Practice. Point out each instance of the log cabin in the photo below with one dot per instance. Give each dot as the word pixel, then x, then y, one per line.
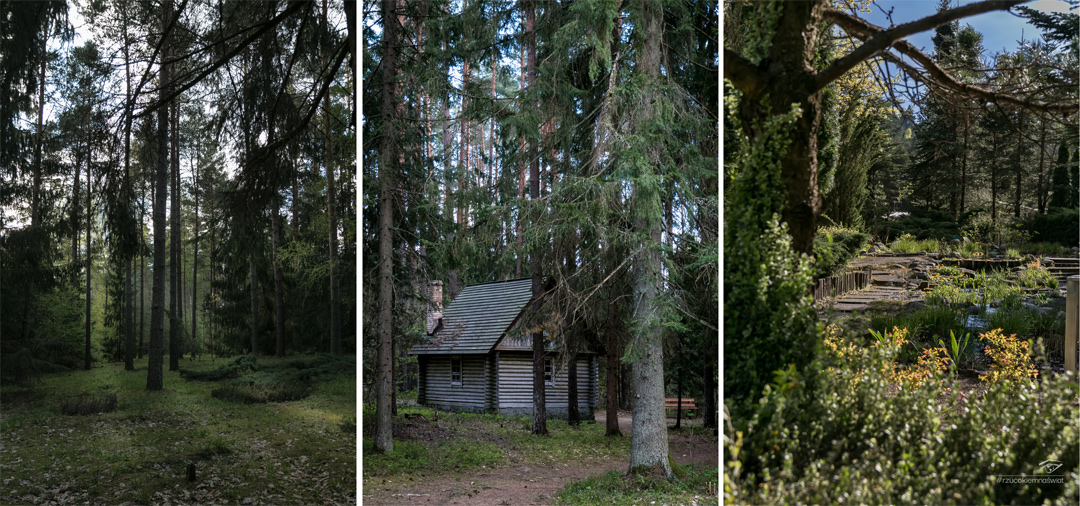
pixel 477 360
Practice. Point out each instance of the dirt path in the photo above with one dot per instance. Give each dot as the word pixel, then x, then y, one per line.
pixel 531 485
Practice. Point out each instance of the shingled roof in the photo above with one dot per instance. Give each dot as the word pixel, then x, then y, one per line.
pixel 479 316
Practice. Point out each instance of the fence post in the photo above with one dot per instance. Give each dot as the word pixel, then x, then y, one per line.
pixel 1072 321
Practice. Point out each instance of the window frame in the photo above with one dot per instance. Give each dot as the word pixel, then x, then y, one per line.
pixel 460 371
pixel 549 371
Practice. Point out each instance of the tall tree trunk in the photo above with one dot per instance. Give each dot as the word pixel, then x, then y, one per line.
pixel 573 416
pixel 648 441
pixel 195 258
pixel 521 172
pixel 89 213
pixel 1018 165
pixel 799 165
pixel 76 221
pixel 709 390
pixel 129 195
pixel 1040 192
pixel 154 374
pixel 331 211
pixel 35 194
pixel 129 317
pixel 175 271
pixel 612 397
pixel 963 168
pixel 388 158
pixel 539 425
pixel 279 282
pixel 253 274
pixel 994 182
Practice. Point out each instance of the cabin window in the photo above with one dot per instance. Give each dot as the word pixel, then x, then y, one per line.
pixel 549 371
pixel 455 371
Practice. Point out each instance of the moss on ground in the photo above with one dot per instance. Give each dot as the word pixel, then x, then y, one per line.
pixel 286 452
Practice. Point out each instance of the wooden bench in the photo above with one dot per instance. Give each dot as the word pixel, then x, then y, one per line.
pixel 687 404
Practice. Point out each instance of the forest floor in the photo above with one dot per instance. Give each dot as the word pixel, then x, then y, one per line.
pixel 467 459
pixel 297 452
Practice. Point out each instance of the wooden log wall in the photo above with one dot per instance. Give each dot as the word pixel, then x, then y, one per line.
pixel 515 382
pixel 470 395
pixel 842 283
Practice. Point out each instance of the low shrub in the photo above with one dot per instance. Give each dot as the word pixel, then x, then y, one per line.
pixel 921 225
pixel 834 247
pixel 88 405
pixel 1005 229
pixel 257 394
pixel 244 364
pixel 844 431
pixel 1011 358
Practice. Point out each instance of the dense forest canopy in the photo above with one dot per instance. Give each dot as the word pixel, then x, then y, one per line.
pixel 571 142
pixel 232 122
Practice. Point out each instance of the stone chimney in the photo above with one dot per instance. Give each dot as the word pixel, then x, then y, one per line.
pixel 434 315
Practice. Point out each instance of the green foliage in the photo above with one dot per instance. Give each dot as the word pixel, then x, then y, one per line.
pixel 924 225
pixel 907 243
pixel 698 486
pixel 1060 226
pixel 834 247
pixel 769 317
pixel 981 227
pixel 1036 276
pixel 821 438
pixel 1011 359
pixel 955 349
pixel 258 393
pixel 244 364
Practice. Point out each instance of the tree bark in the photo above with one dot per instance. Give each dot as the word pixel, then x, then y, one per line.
pixel 279 282
pixel 176 269
pixel 612 398
pixel 331 211
pixel 539 425
pixel 648 441
pixel 129 195
pixel 573 416
pixel 89 213
pixel 388 158
pixel 154 374
pixel 253 274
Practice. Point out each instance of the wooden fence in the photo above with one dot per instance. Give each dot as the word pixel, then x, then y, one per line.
pixel 1072 321
pixel 842 283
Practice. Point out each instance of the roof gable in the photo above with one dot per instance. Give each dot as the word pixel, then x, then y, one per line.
pixel 479 316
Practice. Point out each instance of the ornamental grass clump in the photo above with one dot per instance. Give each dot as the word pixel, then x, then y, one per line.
pixel 1036 276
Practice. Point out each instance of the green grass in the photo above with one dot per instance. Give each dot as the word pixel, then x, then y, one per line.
pixel 139 452
pixel 470 440
pixel 614 488
pixel 908 244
